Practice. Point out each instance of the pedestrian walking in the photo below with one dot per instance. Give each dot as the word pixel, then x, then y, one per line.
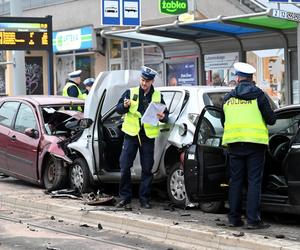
pixel 247 111
pixel 88 83
pixel 72 86
pixel 138 136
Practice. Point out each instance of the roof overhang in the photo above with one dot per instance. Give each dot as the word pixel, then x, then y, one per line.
pixel 241 27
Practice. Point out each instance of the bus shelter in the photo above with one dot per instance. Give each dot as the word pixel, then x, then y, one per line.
pixel 272 29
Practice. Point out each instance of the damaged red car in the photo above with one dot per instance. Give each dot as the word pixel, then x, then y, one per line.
pixel 30 129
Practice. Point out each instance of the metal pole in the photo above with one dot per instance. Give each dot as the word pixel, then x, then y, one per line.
pixel 50 59
pixel 19 80
pixel 298 61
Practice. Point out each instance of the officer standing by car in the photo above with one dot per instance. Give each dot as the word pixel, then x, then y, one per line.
pixel 247 111
pixel 72 86
pixel 133 104
pixel 88 83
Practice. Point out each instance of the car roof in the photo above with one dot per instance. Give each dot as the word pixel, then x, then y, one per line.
pixel 198 88
pixel 44 99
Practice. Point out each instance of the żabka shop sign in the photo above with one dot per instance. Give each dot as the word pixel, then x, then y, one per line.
pixel 173 7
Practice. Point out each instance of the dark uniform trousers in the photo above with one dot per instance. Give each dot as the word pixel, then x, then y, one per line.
pixel 130 146
pixel 246 159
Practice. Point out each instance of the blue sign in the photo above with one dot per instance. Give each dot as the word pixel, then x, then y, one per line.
pixel 121 12
pixel 75 39
pixel 182 73
pixel 111 12
pixel 131 12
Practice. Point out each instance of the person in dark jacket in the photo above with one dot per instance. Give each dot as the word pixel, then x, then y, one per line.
pixel 133 103
pixel 88 83
pixel 247 111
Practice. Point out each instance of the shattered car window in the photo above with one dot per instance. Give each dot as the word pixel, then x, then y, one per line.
pixel 56 118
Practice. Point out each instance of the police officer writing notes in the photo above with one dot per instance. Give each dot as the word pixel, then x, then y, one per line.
pixel 247 111
pixel 72 86
pixel 133 104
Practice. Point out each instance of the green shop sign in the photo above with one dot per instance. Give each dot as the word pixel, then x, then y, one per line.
pixel 173 7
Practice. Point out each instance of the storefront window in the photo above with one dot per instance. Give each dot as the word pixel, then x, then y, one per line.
pixel 85 63
pixel 269 75
pixel 64 65
pixel 115 49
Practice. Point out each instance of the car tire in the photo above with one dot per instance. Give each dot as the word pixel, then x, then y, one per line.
pixel 54 174
pixel 212 207
pixel 79 176
pixel 175 185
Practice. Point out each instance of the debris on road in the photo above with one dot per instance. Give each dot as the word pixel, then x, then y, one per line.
pixel 238 234
pixel 98 199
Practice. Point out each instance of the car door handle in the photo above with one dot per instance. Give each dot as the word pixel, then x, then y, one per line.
pixel 13 138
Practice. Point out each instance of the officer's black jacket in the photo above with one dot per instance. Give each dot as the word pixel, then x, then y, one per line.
pixel 248 91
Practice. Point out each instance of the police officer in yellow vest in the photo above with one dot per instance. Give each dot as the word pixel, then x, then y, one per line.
pixel 247 111
pixel 72 86
pixel 133 104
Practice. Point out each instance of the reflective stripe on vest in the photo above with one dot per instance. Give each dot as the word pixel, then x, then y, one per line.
pixel 80 95
pixel 243 122
pixel 69 84
pixel 131 124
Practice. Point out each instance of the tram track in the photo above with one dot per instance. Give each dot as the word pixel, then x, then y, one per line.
pixel 65 232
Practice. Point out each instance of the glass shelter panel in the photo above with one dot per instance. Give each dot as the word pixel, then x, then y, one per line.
pixel 219 69
pixel 270 72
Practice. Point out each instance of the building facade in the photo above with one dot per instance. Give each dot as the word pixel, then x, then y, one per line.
pixel 78 44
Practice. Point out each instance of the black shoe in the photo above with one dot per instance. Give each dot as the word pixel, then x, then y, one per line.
pixel 124 204
pixel 259 225
pixel 239 223
pixel 146 205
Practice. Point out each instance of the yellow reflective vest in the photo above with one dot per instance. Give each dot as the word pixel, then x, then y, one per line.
pixel 131 124
pixel 244 122
pixel 80 94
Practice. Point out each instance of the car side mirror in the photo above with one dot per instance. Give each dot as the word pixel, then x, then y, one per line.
pixel 31 132
pixel 85 122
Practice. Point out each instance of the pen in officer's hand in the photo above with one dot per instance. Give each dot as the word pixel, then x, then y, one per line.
pixel 126 102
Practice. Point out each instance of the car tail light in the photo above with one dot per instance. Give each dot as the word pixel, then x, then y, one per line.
pixel 193 118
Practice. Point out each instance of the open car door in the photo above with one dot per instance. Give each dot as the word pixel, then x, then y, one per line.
pixel 205 163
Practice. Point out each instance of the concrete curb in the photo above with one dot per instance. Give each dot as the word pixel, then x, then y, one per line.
pixel 204 237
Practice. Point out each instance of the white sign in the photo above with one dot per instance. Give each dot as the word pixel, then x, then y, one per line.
pixel 121 12
pixel 111 9
pixel 220 61
pixel 70 39
pixel 131 9
pixel 286 15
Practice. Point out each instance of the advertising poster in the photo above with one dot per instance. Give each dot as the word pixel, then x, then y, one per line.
pixel 34 75
pixel 182 73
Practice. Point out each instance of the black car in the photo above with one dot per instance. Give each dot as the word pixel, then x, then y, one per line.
pixel 206 162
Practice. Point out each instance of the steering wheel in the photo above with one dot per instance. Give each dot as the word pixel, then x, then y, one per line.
pixel 278 146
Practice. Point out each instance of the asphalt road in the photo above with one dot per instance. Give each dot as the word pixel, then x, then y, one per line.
pixel 282 227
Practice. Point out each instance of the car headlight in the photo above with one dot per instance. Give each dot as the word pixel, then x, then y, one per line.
pixel 193 118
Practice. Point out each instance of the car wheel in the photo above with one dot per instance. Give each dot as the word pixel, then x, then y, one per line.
pixel 54 174
pixel 212 207
pixel 175 185
pixel 79 176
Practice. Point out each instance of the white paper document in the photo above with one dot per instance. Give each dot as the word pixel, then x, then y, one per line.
pixel 150 115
